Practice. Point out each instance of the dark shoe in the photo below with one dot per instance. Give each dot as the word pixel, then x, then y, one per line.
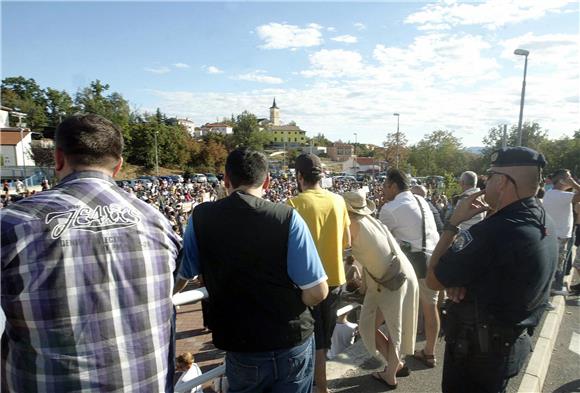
pixel 378 377
pixel 403 372
pixel 575 287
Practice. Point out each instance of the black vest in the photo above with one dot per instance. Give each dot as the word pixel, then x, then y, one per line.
pixel 243 246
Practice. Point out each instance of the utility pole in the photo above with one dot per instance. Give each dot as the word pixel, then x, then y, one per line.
pixel 397 154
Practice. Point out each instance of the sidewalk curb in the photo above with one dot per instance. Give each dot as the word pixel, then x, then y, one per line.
pixel 535 374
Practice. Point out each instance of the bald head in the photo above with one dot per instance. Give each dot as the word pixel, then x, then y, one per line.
pixel 468 180
pixel 527 179
pixel 419 190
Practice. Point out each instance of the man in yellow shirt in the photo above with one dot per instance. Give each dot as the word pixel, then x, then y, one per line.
pixel 327 218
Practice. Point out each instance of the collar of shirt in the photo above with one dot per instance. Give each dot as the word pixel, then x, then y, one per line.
pixel 87 174
pixel 470 191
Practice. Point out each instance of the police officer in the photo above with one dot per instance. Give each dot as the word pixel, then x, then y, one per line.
pixel 497 273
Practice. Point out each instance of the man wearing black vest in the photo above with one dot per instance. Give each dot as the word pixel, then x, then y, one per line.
pixel 262 272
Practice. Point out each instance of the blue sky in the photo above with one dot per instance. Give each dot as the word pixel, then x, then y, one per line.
pixel 334 67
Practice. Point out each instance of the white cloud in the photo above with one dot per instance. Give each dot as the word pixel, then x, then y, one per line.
pixel 334 63
pixel 331 29
pixel 260 77
pixel 491 14
pixel 347 39
pixel 283 36
pixel 158 70
pixel 360 26
pixel 213 70
pixel 466 83
pixel 181 65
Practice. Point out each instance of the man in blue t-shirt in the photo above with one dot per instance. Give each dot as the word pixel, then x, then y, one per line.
pixel 262 272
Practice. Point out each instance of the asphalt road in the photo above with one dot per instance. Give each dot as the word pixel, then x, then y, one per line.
pixel 564 372
pixel 563 375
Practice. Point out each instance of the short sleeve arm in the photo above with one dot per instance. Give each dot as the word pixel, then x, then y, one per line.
pixel 347 240
pixel 304 265
pixel 467 258
pixel 190 264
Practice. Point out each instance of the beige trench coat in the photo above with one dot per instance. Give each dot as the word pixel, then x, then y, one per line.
pixel 372 249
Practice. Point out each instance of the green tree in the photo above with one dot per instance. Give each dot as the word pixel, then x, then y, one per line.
pixel 59 104
pixel 393 147
pixel 533 136
pixel 563 153
pixel 247 132
pixel 321 140
pixel 92 99
pixel 26 96
pixel 438 153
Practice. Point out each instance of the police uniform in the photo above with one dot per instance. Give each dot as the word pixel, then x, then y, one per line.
pixel 506 263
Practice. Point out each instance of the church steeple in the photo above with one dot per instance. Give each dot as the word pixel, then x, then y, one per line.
pixel 274 114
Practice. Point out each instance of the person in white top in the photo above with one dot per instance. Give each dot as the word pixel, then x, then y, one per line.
pixel 558 203
pixel 402 215
pixel 468 182
pixel 342 337
pixel 185 364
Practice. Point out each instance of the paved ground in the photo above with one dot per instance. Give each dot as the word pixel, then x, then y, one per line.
pixel 563 375
pixel 564 372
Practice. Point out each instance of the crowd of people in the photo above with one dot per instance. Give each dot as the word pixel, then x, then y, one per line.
pixel 89 269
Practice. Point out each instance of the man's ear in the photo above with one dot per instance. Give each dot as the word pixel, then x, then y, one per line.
pixel 59 160
pixel 266 183
pixel 118 167
pixel 227 183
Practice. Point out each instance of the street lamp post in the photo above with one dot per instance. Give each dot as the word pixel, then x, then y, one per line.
pixel 525 53
pixel 355 163
pixel 156 155
pixel 397 154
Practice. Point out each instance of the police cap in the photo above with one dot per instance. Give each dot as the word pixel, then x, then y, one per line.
pixel 517 156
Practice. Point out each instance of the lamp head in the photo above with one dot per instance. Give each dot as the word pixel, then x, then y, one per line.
pixel 395 114
pixel 521 52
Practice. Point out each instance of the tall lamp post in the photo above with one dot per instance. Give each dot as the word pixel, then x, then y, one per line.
pixel 397 155
pixel 525 53
pixel 156 155
pixel 355 163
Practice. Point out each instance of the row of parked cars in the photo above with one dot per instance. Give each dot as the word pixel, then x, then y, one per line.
pixel 148 181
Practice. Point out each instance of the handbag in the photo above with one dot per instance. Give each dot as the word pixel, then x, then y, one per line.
pixel 393 278
pixel 419 258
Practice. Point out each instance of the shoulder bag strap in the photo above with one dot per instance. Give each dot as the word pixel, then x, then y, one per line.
pixel 424 241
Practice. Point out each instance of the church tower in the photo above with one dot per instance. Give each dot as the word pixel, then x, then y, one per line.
pixel 274 114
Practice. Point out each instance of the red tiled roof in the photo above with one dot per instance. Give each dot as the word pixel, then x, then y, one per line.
pixel 11 136
pixel 365 160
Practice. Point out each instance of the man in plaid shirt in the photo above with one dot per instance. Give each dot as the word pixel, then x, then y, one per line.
pixel 87 274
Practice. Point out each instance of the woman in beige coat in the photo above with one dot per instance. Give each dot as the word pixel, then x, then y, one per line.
pixel 375 248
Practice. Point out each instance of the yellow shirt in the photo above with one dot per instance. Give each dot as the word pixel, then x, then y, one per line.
pixel 327 218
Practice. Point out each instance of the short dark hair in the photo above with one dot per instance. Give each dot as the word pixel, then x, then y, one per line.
pixel 559 174
pixel 399 178
pixel 89 139
pixel 246 167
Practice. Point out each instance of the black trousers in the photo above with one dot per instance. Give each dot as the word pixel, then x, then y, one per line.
pixel 483 373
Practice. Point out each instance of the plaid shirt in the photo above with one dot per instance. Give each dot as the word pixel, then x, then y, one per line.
pixel 87 275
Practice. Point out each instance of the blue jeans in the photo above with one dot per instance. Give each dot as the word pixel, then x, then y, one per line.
pixel 283 371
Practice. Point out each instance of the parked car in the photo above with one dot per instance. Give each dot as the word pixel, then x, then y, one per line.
pixel 176 178
pixel 199 178
pixel 211 178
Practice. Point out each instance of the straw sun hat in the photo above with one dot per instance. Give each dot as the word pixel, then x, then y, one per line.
pixel 356 203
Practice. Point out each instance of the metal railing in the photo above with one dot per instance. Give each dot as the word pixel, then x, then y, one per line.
pixel 195 295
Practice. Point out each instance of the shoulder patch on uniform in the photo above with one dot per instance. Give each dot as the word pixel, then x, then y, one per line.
pixel 462 240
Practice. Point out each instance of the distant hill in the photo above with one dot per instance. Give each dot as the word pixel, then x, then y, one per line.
pixel 475 149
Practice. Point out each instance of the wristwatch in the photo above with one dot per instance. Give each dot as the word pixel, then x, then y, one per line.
pixel 450 227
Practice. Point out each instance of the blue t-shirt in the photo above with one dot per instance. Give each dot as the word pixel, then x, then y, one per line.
pixel 304 265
